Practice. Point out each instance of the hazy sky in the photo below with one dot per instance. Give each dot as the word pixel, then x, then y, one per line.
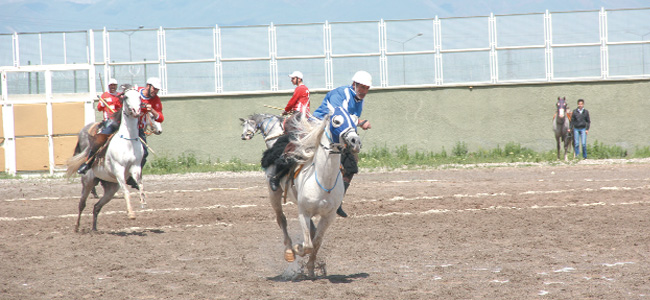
pixel 68 15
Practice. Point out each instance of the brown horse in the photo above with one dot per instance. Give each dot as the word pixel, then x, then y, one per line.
pixel 562 127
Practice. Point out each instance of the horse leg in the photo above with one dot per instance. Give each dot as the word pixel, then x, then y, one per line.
pixel 110 189
pixel 557 141
pixel 323 224
pixel 281 219
pixel 137 175
pixel 94 190
pixel 306 247
pixel 312 229
pixel 121 176
pixel 85 191
pixel 566 145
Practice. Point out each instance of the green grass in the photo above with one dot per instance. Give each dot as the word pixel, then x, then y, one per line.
pixel 188 163
pixel 402 157
pixel 398 157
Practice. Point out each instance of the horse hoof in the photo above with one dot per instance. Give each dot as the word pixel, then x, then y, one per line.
pixel 289 256
pixel 131 216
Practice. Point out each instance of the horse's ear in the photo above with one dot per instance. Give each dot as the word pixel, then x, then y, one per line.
pixel 242 120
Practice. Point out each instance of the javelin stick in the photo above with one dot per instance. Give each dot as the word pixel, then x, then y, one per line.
pixel 105 104
pixel 269 106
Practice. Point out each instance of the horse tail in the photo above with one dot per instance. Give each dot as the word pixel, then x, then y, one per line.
pixel 77 149
pixel 75 162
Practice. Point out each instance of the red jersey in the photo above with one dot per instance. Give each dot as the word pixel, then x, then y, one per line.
pixel 113 102
pixel 300 100
pixel 155 105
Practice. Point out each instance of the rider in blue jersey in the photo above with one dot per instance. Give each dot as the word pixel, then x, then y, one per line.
pixel 350 97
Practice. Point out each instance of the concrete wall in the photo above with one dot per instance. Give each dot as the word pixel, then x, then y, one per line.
pixel 423 119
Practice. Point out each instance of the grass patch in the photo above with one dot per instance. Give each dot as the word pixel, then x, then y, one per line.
pixel 189 163
pixel 398 157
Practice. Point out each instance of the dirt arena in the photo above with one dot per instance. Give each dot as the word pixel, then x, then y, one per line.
pixel 480 232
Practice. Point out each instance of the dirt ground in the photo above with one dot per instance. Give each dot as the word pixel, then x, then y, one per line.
pixel 479 232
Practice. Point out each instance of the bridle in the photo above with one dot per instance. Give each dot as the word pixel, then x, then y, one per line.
pixel 264 128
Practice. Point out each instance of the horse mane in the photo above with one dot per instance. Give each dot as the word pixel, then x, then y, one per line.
pixel 307 137
pixel 117 115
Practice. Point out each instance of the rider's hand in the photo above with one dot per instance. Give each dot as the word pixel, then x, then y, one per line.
pixel 365 124
pixel 284 113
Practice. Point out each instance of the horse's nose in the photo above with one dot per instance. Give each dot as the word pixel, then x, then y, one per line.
pixel 355 142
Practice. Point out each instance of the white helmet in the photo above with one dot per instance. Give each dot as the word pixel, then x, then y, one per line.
pixel 112 81
pixel 296 74
pixel 362 77
pixel 155 82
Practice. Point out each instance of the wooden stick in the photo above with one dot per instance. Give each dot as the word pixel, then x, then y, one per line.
pixel 269 106
pixel 105 104
pixel 145 144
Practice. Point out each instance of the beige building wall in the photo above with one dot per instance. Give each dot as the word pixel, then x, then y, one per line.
pixel 31 131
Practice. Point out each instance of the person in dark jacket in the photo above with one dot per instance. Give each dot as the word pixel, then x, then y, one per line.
pixel 580 123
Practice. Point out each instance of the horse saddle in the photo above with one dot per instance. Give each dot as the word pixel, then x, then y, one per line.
pixel 94 129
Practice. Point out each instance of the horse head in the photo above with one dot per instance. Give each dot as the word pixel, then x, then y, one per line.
pixel 131 103
pixel 151 126
pixel 343 128
pixel 249 128
pixel 561 107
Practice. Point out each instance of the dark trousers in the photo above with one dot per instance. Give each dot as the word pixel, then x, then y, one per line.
pixel 146 150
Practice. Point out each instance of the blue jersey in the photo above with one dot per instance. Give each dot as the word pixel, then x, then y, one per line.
pixel 340 97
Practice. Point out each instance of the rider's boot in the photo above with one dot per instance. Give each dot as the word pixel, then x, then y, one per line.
pixel 280 171
pixel 340 211
pixel 283 166
pixel 96 142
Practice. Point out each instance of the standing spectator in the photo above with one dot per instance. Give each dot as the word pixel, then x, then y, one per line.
pixel 299 102
pixel 580 122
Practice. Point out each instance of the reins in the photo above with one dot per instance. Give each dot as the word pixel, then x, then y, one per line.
pixel 264 129
pixel 320 185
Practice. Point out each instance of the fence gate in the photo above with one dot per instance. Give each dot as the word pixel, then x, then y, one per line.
pixel 42 110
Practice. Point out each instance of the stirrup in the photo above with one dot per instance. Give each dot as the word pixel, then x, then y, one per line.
pixel 83 168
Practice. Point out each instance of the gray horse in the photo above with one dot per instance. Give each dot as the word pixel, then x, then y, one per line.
pixel 271 127
pixel 561 127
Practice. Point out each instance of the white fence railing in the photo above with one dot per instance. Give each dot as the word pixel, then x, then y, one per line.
pixel 496 49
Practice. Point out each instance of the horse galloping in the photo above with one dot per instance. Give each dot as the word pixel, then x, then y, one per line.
pixel 83 138
pixel 270 126
pixel 561 127
pixel 123 157
pixel 318 185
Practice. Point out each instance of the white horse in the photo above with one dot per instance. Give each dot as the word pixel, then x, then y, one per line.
pixel 83 138
pixel 122 159
pixel 318 188
pixel 270 126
